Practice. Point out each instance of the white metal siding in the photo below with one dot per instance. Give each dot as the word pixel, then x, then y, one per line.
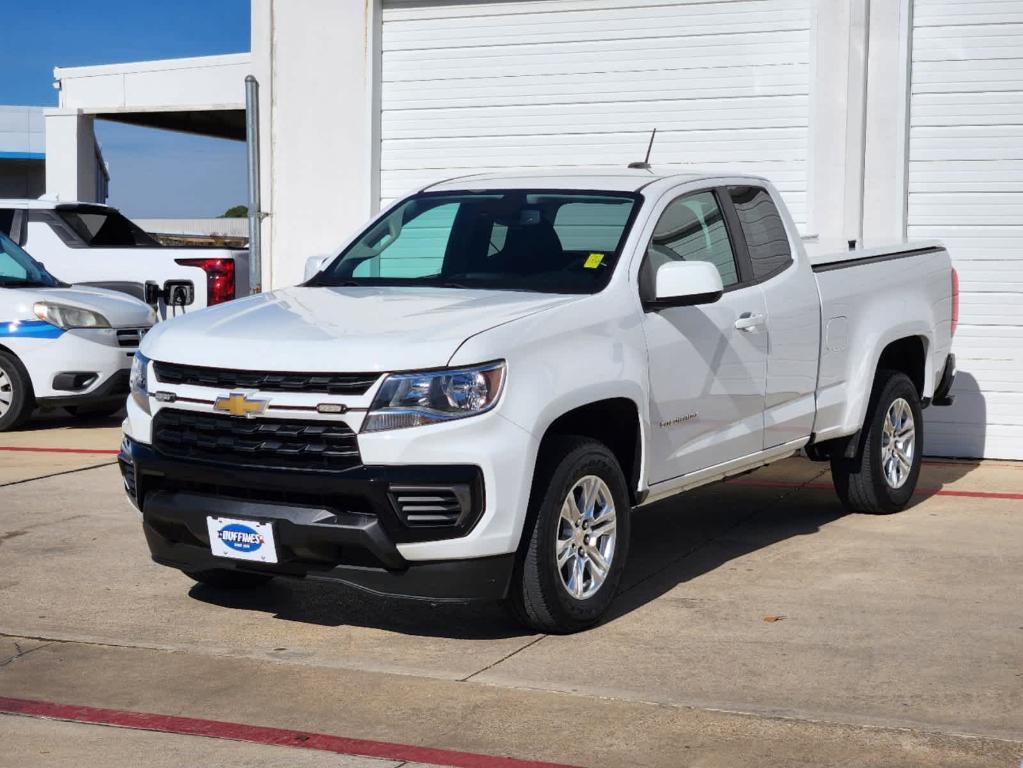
pixel 966 188
pixel 471 86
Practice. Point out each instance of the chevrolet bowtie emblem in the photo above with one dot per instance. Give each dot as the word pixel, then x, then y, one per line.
pixel 239 405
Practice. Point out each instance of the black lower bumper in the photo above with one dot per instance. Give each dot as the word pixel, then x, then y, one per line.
pixel 335 526
pixel 113 391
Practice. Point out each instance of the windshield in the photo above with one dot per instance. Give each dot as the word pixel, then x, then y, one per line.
pixel 105 227
pixel 529 240
pixel 19 270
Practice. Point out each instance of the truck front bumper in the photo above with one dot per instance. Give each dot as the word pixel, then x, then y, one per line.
pixel 339 526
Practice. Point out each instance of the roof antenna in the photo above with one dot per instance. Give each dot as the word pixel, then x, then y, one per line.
pixel 645 165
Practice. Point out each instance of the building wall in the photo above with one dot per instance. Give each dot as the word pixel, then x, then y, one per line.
pixel 22 178
pixel 22 151
pixel 912 118
pixel 317 148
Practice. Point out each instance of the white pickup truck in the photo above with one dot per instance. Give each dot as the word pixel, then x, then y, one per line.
pixel 473 396
pixel 96 245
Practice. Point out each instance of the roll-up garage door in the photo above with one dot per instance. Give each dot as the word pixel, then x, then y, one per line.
pixel 966 188
pixel 472 86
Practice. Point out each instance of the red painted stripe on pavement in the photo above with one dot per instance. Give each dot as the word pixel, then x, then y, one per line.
pixel 918 492
pixel 14 448
pixel 279 737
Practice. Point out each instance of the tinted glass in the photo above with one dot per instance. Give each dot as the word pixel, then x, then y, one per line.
pixel 104 227
pixel 18 269
pixel 690 229
pixel 506 240
pixel 6 221
pixel 765 233
pixel 417 250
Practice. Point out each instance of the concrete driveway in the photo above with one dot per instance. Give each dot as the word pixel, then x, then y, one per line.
pixel 758 625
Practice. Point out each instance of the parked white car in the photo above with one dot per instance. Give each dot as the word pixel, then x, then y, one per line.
pixel 90 244
pixel 62 345
pixel 471 398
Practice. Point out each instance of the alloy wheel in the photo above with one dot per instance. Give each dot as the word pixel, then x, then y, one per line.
pixel 586 537
pixel 898 443
pixel 6 392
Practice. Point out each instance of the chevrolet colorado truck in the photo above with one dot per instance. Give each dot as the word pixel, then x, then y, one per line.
pixel 96 245
pixel 472 397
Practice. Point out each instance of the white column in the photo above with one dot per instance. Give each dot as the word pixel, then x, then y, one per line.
pixel 837 134
pixel 71 163
pixel 316 62
pixel 887 118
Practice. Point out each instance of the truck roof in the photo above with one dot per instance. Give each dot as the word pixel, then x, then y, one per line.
pixel 42 203
pixel 609 179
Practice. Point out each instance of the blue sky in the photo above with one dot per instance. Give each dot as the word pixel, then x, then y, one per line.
pixel 153 173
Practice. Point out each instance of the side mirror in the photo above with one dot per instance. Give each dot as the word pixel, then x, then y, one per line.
pixel 314 264
pixel 684 284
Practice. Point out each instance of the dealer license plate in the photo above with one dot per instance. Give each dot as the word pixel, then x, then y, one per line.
pixel 242 539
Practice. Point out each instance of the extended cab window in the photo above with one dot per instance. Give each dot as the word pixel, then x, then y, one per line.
pixel 526 240
pixel 6 221
pixel 691 228
pixel 766 238
pixel 100 227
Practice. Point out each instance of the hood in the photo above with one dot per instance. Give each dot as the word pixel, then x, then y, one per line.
pixel 120 309
pixel 340 329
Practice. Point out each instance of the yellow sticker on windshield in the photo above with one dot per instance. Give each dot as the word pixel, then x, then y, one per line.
pixel 594 261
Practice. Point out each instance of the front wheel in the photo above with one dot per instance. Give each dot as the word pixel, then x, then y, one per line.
pixel 576 550
pixel 16 398
pixel 881 480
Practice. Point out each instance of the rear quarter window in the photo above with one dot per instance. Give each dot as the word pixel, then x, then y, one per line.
pixel 764 230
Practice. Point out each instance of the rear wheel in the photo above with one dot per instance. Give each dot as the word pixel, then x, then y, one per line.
pixel 226 579
pixel 883 477
pixel 576 550
pixel 16 398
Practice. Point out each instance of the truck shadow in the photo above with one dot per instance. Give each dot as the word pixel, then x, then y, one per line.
pixel 673 542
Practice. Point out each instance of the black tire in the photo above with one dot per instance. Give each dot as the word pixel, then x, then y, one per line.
pixel 226 579
pixel 17 389
pixel 539 596
pixel 862 483
pixel 94 411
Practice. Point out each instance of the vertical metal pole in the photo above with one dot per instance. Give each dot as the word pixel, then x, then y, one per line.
pixel 255 214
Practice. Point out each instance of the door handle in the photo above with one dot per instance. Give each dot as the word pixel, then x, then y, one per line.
pixel 749 322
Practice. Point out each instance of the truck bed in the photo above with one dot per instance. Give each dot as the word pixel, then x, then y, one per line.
pixel 870 297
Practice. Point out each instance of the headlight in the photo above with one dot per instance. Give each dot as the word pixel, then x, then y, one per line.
pixel 63 316
pixel 138 380
pixel 414 399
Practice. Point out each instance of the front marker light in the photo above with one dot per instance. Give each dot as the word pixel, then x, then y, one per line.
pixel 429 397
pixel 138 381
pixel 66 317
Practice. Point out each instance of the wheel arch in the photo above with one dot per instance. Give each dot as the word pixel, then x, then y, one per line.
pixel 906 354
pixel 613 422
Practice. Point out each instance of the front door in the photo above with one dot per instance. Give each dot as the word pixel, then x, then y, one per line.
pixel 708 363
